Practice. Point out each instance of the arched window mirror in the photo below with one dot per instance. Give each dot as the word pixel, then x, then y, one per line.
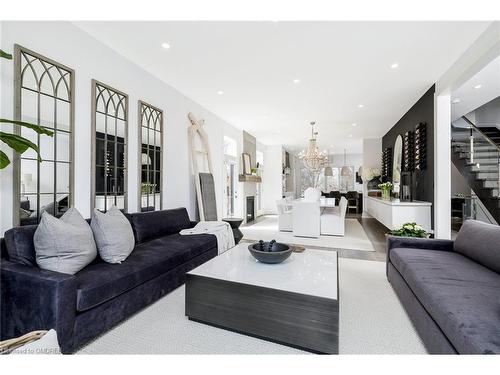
pixel 44 95
pixel 150 160
pixel 109 147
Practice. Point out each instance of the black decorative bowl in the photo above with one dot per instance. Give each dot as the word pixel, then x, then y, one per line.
pixel 279 252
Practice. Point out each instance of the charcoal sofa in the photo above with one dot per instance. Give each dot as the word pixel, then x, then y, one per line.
pixel 451 289
pixel 82 306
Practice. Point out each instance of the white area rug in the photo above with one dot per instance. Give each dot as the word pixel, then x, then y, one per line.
pixel 267 229
pixel 372 321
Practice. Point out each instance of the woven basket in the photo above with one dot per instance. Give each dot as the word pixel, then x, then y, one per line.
pixel 9 345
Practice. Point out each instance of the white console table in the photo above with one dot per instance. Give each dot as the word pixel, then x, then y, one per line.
pixel 393 213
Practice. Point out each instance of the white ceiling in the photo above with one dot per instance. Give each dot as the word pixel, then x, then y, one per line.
pixel 472 97
pixel 339 64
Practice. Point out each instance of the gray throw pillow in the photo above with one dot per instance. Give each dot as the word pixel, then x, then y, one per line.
pixel 479 241
pixel 64 245
pixel 113 235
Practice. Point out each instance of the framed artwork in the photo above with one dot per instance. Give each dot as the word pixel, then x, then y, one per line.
pixel 247 164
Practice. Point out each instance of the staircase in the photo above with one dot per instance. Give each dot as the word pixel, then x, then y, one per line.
pixel 479 162
pixel 492 133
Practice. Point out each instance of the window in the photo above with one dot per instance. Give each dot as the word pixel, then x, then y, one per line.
pixel 230 147
pixel 327 183
pixel 44 95
pixel 150 161
pixel 330 183
pixel 109 147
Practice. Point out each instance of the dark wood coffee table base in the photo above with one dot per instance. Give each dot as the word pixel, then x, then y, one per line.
pixel 301 321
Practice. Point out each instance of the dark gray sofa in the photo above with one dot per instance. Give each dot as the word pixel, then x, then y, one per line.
pixel 451 289
pixel 82 306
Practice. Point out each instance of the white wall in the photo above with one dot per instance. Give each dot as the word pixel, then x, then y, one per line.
pixel 69 45
pixel 372 151
pixel 271 180
pixel 260 147
pixel 237 135
pixel 459 184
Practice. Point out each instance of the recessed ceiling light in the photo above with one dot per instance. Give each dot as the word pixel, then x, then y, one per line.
pixel 456 100
pixel 478 86
pixel 350 135
pixel 165 45
pixel 394 66
pixel 220 92
pixel 354 124
pixel 361 105
pixel 296 80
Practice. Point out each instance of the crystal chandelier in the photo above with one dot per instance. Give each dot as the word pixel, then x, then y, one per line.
pixel 314 159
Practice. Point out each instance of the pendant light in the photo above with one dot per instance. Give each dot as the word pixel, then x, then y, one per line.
pixel 346 171
pixel 328 169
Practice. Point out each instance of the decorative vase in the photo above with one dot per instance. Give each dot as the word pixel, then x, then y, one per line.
pixel 373 183
pixel 386 194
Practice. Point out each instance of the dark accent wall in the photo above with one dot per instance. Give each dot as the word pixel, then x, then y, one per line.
pixel 421 111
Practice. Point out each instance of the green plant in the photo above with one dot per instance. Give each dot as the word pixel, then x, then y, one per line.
pixel 410 230
pixel 16 142
pixel 147 188
pixel 385 186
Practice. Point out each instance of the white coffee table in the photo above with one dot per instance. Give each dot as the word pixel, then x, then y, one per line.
pixel 295 303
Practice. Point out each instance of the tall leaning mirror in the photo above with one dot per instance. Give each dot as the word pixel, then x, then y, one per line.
pixel 44 95
pixel 109 147
pixel 150 158
pixel 396 165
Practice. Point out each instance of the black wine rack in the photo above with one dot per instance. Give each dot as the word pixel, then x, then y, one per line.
pixel 420 141
pixel 408 152
pixel 386 170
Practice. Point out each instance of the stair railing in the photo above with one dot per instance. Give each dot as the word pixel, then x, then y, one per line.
pixel 473 209
pixel 473 126
pixel 474 130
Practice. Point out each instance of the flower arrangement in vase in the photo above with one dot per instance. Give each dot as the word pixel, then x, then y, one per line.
pixel 410 230
pixel 386 188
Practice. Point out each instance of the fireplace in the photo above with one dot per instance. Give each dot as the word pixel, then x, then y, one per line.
pixel 250 214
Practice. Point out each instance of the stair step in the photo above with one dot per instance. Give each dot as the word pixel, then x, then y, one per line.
pixel 486 175
pixel 489 182
pixel 483 164
pixel 493 191
pixel 492 184
pixel 487 153
pixel 480 159
pixel 483 168
pixel 461 136
pixel 466 145
pixel 465 141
